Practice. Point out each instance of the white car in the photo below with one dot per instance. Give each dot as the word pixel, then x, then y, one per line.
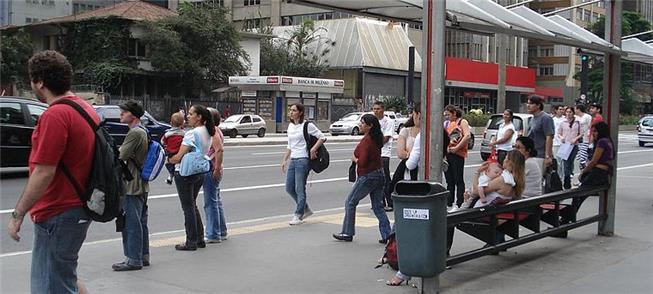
pixel 243 125
pixel 399 119
pixel 645 130
pixel 347 125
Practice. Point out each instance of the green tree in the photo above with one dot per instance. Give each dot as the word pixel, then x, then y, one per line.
pixel 303 53
pixel 16 51
pixel 98 50
pixel 632 23
pixel 200 47
pixel 396 103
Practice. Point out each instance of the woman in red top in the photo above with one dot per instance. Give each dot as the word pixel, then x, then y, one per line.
pixel 367 157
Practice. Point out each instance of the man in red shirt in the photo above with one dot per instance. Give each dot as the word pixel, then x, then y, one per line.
pixel 595 112
pixel 62 136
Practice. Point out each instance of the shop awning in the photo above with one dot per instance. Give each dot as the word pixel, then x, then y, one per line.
pixel 481 16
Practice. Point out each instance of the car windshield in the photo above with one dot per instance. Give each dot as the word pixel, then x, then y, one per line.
pixel 233 118
pixel 496 120
pixel 647 122
pixel 351 117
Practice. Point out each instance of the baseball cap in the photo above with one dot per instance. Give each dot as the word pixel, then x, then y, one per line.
pixel 133 107
pixel 597 105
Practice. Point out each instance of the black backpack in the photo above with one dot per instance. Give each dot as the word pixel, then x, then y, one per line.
pixel 322 161
pixel 552 182
pixel 105 187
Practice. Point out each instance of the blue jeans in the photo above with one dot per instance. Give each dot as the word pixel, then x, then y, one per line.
pixel 55 252
pixel 188 188
pixel 136 235
pixel 296 182
pixel 372 184
pixel 568 168
pixel 216 226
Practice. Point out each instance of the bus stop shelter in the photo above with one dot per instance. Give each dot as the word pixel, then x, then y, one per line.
pixel 488 17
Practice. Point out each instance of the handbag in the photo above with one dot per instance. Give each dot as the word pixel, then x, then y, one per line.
pixel 352 172
pixel 194 162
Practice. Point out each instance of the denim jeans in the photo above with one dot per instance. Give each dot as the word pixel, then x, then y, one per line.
pixel 387 190
pixel 55 251
pixel 188 188
pixel 296 176
pixel 136 235
pixel 372 184
pixel 216 226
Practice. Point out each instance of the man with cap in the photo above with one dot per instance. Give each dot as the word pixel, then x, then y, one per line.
pixel 135 240
pixel 595 111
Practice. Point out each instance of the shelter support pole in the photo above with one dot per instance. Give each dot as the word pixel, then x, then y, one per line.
pixel 611 86
pixel 502 40
pixel 434 24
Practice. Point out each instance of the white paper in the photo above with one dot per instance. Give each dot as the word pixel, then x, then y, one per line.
pixel 565 150
pixel 415 213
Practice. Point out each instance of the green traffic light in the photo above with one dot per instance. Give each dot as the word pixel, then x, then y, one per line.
pixel 584 57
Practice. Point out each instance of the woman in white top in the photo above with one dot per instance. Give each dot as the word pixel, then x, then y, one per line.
pixel 296 163
pixel 533 170
pixel 505 136
pixel 188 187
pixel 405 144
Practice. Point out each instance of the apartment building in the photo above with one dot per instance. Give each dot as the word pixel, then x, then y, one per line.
pixel 22 12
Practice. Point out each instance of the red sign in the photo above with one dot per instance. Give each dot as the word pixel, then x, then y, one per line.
pixel 286 80
pixel 470 71
pixel 339 83
pixel 272 80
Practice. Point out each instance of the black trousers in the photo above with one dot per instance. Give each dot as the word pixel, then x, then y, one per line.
pixel 455 180
pixel 386 184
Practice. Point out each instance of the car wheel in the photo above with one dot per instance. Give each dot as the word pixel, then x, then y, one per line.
pixel 401 126
pixel 261 133
pixel 470 144
pixel 485 156
pixel 233 134
pixel 332 134
pixel 642 143
pixel 355 132
pixel 244 136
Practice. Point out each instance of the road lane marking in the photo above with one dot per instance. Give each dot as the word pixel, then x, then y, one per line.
pixel 634 166
pixel 235 231
pixel 283 152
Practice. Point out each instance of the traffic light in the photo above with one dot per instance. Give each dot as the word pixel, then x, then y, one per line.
pixel 584 82
pixel 584 58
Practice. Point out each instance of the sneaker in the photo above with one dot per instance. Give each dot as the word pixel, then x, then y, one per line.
pixel 466 205
pixel 223 238
pixel 449 208
pixel 296 219
pixel 169 181
pixel 213 241
pixel 124 266
pixel 454 209
pixel 307 212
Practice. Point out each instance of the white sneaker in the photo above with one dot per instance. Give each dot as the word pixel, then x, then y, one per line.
pixel 454 209
pixel 307 212
pixel 449 208
pixel 295 220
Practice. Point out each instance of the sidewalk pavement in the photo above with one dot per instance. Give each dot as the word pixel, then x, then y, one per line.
pixel 268 256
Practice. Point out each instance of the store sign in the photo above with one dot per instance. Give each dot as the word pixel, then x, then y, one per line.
pixel 275 80
pixel 248 80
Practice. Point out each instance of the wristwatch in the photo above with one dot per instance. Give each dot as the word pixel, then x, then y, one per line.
pixel 17 216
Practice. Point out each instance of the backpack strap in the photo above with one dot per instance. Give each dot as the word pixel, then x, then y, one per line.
pixel 306 136
pixel 93 126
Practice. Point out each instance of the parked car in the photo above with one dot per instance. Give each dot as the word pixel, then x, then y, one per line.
pixel 244 125
pixel 110 118
pixel 522 126
pixel 347 125
pixel 18 117
pixel 645 130
pixel 398 118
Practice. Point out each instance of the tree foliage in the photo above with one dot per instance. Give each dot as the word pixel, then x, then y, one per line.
pixel 303 53
pixel 632 23
pixel 98 50
pixel 396 103
pixel 16 51
pixel 200 46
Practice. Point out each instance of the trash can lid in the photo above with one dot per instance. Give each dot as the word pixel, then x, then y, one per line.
pixel 418 188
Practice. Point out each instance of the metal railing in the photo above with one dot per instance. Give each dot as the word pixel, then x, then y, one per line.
pixel 524 212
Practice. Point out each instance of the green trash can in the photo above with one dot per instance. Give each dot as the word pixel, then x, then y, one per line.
pixel 421 227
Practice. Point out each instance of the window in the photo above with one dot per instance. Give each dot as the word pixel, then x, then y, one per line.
pixel 251 2
pixel 246 120
pixel 35 112
pixel 579 14
pixel 323 110
pixel 257 119
pixel 75 8
pixel 111 115
pixel 546 51
pixel 595 16
pixel 136 48
pixel 545 70
pixel 11 113
pixel 28 20
pixel 586 15
pixel 532 52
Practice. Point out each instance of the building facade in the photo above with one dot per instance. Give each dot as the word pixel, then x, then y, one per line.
pixel 22 12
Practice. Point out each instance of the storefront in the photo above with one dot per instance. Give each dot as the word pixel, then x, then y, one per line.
pixel 271 96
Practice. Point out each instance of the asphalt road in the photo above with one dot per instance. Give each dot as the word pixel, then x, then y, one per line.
pixel 252 189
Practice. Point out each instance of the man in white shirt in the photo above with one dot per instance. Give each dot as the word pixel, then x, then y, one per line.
pixel 558 118
pixel 388 128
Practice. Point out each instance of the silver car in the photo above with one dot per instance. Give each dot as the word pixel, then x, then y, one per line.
pixel 522 126
pixel 347 125
pixel 243 125
pixel 645 131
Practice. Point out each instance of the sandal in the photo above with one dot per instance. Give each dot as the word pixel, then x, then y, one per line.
pixel 396 281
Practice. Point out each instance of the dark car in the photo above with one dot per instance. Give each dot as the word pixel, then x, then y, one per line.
pixel 110 115
pixel 18 118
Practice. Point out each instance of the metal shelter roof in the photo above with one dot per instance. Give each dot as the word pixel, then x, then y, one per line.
pixel 638 50
pixel 362 42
